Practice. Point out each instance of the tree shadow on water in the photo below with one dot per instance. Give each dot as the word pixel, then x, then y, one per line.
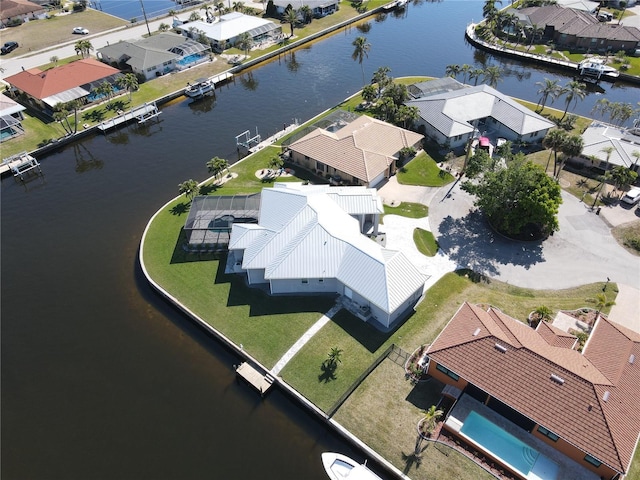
pixel 473 244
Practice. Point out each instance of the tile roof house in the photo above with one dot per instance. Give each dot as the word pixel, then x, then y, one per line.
pixel 73 81
pixel 362 152
pixel 454 116
pixel 309 240
pixel 583 405
pixel 577 29
pixel 153 56
pixel 20 10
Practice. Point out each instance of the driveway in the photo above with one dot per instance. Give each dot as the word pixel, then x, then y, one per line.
pixel 582 251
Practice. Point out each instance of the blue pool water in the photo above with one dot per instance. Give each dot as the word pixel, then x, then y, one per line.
pixel 499 443
pixel 194 57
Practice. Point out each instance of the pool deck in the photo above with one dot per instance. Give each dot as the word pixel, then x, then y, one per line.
pixel 568 468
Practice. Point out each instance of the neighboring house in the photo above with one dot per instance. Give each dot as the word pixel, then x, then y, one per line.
pixel 600 136
pixel 320 8
pixel 362 152
pixel 225 32
pixel 20 11
pixel 73 81
pixel 309 240
pixel 453 117
pixel 434 87
pixel 569 28
pixel 154 56
pixel 10 118
pixel 577 414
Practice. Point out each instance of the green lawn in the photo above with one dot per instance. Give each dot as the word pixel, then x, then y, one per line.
pixel 423 171
pixel 425 241
pixel 408 209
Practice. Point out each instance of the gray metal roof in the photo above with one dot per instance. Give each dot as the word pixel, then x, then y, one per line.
pixel 451 113
pixel 600 135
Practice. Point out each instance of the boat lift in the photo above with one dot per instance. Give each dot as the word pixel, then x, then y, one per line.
pixel 244 141
pixel 21 164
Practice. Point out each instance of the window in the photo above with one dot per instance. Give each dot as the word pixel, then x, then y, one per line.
pixel 447 372
pixel 592 460
pixel 321 166
pixel 548 434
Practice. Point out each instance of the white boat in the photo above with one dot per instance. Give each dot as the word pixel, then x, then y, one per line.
pixel 202 87
pixel 595 68
pixel 341 467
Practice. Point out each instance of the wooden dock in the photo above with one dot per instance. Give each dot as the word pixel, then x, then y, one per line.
pixel 141 114
pixel 259 381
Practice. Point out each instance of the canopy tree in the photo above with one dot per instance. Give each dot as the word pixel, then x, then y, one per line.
pixel 520 201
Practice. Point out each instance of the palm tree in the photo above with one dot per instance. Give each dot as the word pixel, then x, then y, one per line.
pixel 128 81
pixel 635 154
pixel 465 70
pixel 276 163
pixel 573 92
pixel 360 52
pixel 334 357
pixel 381 78
pixel 602 106
pixel 190 188
pixel 238 6
pixel 220 8
pixel 534 32
pixel 104 89
pixel 61 115
pixel 307 13
pixel 75 106
pixel 207 12
pixel 492 75
pixel 163 27
pixel 548 88
pixel 622 177
pixel 608 151
pixel 571 147
pixel 245 42
pixel 476 74
pixel 83 47
pixel 430 419
pixel 489 9
pixel 602 302
pixel 194 17
pixel 54 60
pixel 452 70
pixel 291 17
pixel 554 141
pixel 216 166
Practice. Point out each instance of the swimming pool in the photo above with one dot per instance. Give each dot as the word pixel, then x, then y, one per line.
pixel 189 59
pixel 499 443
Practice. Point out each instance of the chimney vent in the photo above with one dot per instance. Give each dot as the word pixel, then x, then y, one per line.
pixel 632 358
pixel 556 378
pixel 476 332
pixel 501 348
pixel 605 397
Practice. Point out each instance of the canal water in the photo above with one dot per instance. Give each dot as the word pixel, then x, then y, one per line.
pixel 102 379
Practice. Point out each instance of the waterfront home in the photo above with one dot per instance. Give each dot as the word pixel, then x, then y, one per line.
pixel 573 29
pixel 15 12
pixel 362 152
pixel 319 8
pixel 11 117
pixel 311 239
pixel 453 117
pixel 154 56
pixel 571 414
pixel 599 137
pixel 225 32
pixel 44 89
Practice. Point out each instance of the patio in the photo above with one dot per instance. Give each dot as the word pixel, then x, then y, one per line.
pixel 567 469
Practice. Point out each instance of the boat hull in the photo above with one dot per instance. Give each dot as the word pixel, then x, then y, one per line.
pixel 341 467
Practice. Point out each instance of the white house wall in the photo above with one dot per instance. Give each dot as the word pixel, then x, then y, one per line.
pixel 302 286
pixel 256 276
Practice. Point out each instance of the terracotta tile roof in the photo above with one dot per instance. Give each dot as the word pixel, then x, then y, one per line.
pixel 42 84
pixel 13 8
pixel 363 148
pixel 521 377
pixel 555 336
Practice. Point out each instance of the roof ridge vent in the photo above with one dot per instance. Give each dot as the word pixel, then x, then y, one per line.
pixel 477 331
pixel 501 348
pixel 558 379
pixel 632 358
pixel 605 396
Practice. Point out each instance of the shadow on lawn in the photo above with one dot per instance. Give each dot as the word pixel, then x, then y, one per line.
pixel 367 335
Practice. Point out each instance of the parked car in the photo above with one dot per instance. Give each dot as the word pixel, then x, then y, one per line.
pixel 80 31
pixel 632 197
pixel 9 47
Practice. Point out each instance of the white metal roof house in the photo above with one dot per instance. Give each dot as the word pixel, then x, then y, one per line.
pixel 227 30
pixel 362 152
pixel 155 55
pixel 600 136
pixel 320 8
pixel 309 240
pixel 452 117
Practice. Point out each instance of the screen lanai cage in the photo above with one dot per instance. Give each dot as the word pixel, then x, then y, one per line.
pixel 208 226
